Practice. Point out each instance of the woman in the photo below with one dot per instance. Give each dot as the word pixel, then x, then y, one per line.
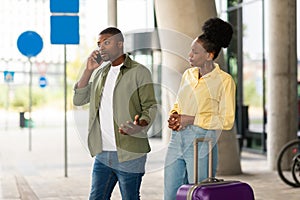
pixel 205 105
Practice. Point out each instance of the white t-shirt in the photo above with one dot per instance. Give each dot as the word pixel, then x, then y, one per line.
pixel 106 110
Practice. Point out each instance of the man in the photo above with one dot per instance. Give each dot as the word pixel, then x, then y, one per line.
pixel 122 107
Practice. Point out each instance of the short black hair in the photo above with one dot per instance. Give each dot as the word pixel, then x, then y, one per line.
pixel 216 34
pixel 113 31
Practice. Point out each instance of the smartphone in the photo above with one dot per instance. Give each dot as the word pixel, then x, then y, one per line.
pixel 98 59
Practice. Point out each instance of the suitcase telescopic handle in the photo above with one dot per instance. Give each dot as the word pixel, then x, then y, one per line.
pixel 210 158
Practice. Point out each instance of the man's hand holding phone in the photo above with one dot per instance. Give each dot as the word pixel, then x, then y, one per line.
pixel 94 60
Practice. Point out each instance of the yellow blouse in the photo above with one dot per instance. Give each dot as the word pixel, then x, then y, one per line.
pixel 211 99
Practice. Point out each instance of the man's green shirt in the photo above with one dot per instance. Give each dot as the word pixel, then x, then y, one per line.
pixel 133 95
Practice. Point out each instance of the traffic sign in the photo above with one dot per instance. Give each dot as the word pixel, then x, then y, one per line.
pixel 30 43
pixel 64 22
pixel 64 29
pixel 64 6
pixel 8 76
pixel 43 82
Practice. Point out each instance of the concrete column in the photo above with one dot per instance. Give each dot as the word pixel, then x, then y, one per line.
pixel 282 77
pixel 112 10
pixel 179 23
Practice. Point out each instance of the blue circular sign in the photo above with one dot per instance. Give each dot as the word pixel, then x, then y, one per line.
pixel 30 43
pixel 43 82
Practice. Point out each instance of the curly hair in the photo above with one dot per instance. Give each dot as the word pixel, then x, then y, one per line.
pixel 217 34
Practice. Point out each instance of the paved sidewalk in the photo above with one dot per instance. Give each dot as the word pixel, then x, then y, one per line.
pixel 39 173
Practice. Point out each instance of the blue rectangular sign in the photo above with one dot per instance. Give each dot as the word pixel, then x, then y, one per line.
pixel 8 76
pixel 64 29
pixel 64 6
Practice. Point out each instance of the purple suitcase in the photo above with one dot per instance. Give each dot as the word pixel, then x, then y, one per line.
pixel 212 188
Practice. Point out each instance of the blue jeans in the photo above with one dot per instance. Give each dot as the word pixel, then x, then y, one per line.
pixel 108 171
pixel 179 162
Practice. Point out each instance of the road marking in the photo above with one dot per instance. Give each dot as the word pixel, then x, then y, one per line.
pixel 25 191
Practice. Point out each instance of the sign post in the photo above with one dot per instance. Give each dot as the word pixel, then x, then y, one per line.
pixel 64 30
pixel 30 44
pixel 8 78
